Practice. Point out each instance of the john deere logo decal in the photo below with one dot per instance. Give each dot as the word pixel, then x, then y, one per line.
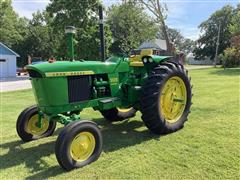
pixel 72 73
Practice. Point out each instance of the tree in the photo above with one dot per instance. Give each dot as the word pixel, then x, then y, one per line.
pixel 158 10
pixel 40 36
pixel 84 16
pixel 234 27
pixel 231 56
pixel 39 39
pixel 187 46
pixel 174 35
pixel 12 28
pixel 181 44
pixel 130 26
pixel 206 44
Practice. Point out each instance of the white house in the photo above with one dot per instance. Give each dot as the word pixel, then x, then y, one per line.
pixel 154 44
pixel 8 61
pixel 192 61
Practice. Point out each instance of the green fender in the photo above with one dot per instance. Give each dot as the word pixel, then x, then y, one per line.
pixel 158 59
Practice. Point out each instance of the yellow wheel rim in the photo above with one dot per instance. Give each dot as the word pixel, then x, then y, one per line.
pixel 124 110
pixel 32 127
pixel 82 146
pixel 173 99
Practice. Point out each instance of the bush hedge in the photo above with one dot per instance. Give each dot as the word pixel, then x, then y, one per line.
pixel 231 56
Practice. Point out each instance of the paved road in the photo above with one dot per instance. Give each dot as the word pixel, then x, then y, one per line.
pixel 13 84
pixel 189 67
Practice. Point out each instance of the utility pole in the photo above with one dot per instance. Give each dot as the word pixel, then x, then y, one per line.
pixel 101 32
pixel 218 38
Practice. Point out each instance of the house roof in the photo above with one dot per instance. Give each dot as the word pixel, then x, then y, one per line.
pixel 4 50
pixel 155 44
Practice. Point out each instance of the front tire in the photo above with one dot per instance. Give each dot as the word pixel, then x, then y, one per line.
pixel 79 144
pixel 118 114
pixel 27 128
pixel 166 98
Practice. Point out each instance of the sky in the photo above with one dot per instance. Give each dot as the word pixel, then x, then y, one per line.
pixel 183 15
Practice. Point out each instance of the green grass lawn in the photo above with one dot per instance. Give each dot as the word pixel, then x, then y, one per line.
pixel 208 147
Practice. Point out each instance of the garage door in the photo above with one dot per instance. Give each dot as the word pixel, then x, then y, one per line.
pixel 3 68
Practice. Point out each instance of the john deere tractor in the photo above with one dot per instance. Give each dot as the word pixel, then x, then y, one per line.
pixel 118 87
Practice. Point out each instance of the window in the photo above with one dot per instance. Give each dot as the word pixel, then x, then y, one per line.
pixel 2 60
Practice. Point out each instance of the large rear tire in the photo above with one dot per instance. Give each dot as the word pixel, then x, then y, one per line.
pixel 27 128
pixel 166 98
pixel 118 114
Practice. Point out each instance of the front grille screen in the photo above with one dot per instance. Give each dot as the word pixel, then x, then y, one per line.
pixel 79 88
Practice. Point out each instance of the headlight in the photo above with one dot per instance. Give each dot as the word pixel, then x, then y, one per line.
pixel 145 60
pixel 150 60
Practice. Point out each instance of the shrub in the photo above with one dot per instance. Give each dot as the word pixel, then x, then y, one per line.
pixel 230 57
pixel 235 41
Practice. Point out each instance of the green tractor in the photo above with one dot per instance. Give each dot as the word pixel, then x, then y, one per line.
pixel 117 87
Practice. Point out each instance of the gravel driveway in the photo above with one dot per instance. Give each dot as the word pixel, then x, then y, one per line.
pixel 15 83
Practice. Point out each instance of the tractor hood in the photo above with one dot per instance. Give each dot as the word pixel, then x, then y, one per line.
pixel 73 68
pixel 158 59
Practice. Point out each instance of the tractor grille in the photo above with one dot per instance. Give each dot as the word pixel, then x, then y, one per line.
pixel 79 88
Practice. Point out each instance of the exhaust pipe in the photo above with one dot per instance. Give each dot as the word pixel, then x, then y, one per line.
pixel 101 33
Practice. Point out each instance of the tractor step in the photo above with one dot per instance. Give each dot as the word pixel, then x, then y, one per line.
pixel 109 100
pixel 109 103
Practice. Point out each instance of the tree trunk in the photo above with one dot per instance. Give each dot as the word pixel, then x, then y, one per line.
pixel 29 59
pixel 154 6
pixel 169 47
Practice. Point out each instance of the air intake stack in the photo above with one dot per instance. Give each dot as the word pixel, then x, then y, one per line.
pixel 70 31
